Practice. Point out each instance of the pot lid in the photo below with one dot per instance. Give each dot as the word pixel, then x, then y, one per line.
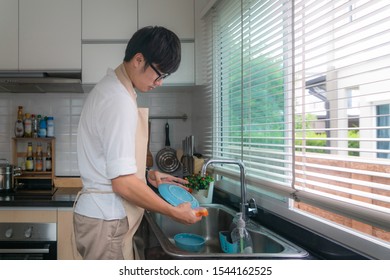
pixel 5 166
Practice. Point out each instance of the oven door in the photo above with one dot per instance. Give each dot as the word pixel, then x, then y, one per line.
pixel 24 250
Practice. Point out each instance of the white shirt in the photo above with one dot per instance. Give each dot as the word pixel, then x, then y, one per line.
pixel 106 146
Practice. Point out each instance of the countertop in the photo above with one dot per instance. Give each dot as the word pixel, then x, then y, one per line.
pixel 63 197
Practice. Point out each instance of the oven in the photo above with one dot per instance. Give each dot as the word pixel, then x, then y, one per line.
pixel 28 241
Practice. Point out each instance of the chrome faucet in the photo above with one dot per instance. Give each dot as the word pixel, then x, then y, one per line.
pixel 247 208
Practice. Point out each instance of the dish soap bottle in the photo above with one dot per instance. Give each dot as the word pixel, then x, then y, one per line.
pixel 241 236
pixel 233 225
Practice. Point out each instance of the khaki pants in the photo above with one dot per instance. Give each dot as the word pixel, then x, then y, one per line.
pixel 98 239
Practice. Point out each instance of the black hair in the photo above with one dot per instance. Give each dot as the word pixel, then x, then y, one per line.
pixel 158 45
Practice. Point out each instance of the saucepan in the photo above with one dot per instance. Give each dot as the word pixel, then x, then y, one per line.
pixel 7 173
pixel 166 158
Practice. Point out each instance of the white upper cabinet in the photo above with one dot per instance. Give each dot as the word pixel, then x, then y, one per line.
pixel 186 72
pixel 109 20
pixel 8 35
pixel 108 25
pixel 49 34
pixel 176 15
pixel 106 28
pixel 97 58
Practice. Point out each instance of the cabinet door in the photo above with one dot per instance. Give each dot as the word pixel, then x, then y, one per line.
pixel 176 15
pixel 98 57
pixel 185 74
pixel 65 249
pixel 109 20
pixel 9 35
pixel 50 34
pixel 28 216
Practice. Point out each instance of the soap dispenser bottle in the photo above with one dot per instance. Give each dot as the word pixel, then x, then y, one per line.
pixel 242 237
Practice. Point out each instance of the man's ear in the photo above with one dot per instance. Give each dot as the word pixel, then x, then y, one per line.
pixel 139 58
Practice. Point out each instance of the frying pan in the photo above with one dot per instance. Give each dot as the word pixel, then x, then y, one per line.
pixel 166 158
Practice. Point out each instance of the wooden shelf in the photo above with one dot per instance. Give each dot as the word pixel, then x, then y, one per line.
pixel 19 153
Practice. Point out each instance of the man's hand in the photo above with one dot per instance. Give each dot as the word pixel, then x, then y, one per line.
pixel 157 178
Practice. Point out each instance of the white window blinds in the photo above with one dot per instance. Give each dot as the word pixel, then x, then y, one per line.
pixel 249 120
pixel 342 82
pixel 300 93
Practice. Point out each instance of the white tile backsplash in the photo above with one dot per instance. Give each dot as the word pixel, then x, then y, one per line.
pixel 66 109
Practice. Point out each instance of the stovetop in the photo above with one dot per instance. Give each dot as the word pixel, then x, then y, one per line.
pixel 30 188
pixel 30 192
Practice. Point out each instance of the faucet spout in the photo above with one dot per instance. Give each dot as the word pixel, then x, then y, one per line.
pixel 244 203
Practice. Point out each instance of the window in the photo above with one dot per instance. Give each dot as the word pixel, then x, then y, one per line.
pixel 383 131
pixel 295 88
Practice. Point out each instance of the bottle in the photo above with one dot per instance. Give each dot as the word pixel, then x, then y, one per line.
pixel 39 158
pixel 50 127
pixel 233 225
pixel 42 128
pixel 27 125
pixel 29 158
pixel 241 236
pixel 35 126
pixel 19 126
pixel 48 157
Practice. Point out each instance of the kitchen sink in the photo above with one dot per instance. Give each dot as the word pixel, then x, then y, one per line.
pixel 155 238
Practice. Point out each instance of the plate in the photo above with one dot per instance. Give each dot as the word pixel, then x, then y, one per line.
pixel 176 195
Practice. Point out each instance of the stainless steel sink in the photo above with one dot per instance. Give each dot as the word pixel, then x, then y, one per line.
pixel 157 231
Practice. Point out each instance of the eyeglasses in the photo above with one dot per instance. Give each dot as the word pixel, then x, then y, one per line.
pixel 161 76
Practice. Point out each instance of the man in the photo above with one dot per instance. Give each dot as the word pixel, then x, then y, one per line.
pixel 111 147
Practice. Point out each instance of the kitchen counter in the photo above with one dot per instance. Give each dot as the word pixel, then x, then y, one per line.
pixel 318 247
pixel 63 197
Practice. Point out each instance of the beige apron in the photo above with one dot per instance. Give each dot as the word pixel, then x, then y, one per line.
pixel 133 212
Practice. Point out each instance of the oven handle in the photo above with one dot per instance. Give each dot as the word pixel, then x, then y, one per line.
pixel 25 251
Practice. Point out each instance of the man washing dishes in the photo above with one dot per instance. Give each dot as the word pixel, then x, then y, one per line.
pixel 111 147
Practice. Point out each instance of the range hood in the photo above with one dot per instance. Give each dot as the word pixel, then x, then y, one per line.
pixel 40 82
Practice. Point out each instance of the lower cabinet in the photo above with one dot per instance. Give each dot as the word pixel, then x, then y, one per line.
pixel 66 249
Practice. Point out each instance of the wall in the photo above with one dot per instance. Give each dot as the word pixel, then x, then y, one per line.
pixel 66 109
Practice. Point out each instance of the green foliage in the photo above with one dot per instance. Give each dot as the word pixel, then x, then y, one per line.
pixel 197 182
pixel 310 135
pixel 353 134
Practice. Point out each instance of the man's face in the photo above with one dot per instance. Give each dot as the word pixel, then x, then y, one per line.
pixel 146 79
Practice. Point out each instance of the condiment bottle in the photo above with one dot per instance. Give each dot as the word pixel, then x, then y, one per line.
pixel 29 158
pixel 48 158
pixel 42 128
pixel 27 125
pixel 50 127
pixel 35 126
pixel 19 126
pixel 39 158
